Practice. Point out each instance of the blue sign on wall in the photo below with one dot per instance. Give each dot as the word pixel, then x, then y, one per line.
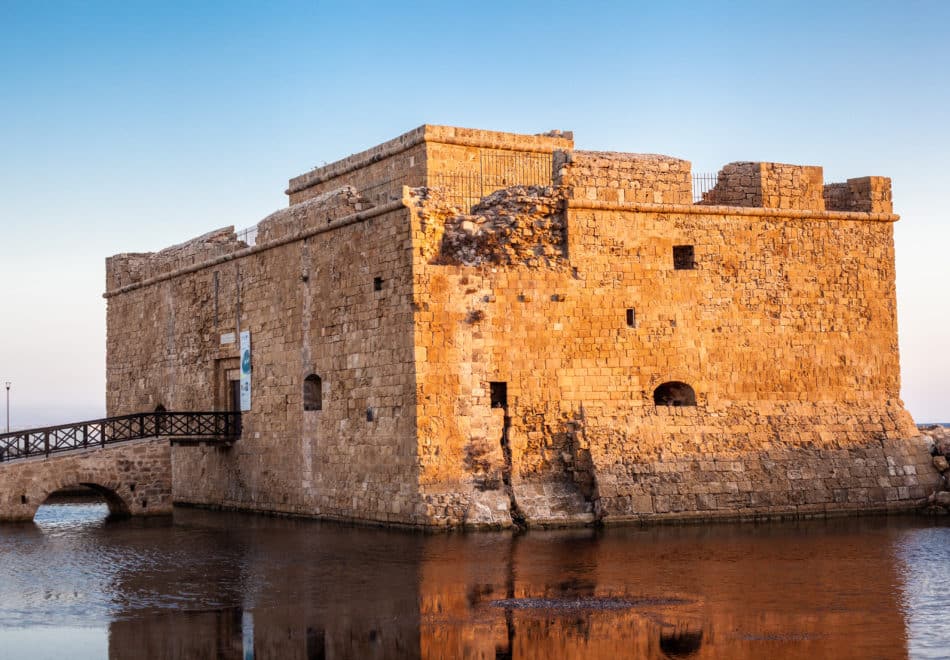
pixel 245 371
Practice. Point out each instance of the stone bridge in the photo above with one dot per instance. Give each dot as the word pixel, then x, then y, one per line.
pixel 126 459
pixel 134 477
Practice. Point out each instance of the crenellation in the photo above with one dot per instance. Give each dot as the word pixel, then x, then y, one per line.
pixel 870 194
pixel 768 185
pixel 622 177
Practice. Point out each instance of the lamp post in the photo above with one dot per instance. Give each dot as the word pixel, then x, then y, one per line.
pixel 8 405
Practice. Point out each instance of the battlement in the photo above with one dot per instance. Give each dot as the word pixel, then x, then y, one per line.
pixel 470 164
pixel 799 187
pixel 610 176
pixel 466 167
pixel 869 194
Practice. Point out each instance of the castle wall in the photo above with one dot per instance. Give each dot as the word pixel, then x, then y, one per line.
pixel 619 177
pixel 380 181
pixel 769 185
pixel 311 307
pixel 785 329
pixel 491 347
pixel 869 194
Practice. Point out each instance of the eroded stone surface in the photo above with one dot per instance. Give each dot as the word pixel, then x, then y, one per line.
pixel 937 439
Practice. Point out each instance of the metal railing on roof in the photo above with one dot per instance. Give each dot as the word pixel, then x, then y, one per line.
pixel 702 184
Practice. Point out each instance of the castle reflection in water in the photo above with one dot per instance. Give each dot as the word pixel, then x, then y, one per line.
pixel 289 589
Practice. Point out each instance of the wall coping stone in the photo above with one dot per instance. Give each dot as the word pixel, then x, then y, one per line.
pixel 700 209
pixel 351 219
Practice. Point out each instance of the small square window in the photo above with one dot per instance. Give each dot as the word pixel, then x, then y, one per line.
pixel 499 394
pixel 377 284
pixel 684 257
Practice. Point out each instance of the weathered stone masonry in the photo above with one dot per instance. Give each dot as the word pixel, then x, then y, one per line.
pixel 134 478
pixel 524 358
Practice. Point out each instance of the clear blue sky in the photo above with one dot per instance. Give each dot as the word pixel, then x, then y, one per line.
pixel 129 126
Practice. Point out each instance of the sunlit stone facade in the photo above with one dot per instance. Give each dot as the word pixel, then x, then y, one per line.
pixel 471 328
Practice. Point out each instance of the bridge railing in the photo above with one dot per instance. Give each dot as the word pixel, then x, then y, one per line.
pixel 194 426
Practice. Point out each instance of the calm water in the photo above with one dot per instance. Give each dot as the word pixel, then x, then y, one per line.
pixel 216 585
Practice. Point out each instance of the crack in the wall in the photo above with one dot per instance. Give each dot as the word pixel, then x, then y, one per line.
pixel 518 517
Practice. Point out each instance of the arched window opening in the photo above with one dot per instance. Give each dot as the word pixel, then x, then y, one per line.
pixel 312 393
pixel 674 393
pixel 160 408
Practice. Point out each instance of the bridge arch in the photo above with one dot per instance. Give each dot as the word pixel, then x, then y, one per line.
pixel 134 478
pixel 119 497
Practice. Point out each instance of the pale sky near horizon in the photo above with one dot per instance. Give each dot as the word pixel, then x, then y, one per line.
pixel 130 126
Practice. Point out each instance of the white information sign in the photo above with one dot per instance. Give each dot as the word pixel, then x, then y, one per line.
pixel 245 371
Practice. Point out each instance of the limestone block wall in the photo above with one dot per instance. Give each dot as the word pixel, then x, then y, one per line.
pixel 622 177
pixel 134 268
pixel 400 161
pixel 785 327
pixel 769 185
pixel 869 194
pixel 316 212
pixel 490 355
pixel 134 478
pixel 335 303
pixel 437 155
pixel 506 159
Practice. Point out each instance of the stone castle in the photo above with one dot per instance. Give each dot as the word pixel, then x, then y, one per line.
pixel 471 328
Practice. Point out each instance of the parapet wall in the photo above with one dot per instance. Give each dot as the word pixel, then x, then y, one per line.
pixel 869 194
pixel 796 187
pixel 428 152
pixel 622 177
pixel 469 164
pixel 132 268
pixel 769 185
pixel 319 211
